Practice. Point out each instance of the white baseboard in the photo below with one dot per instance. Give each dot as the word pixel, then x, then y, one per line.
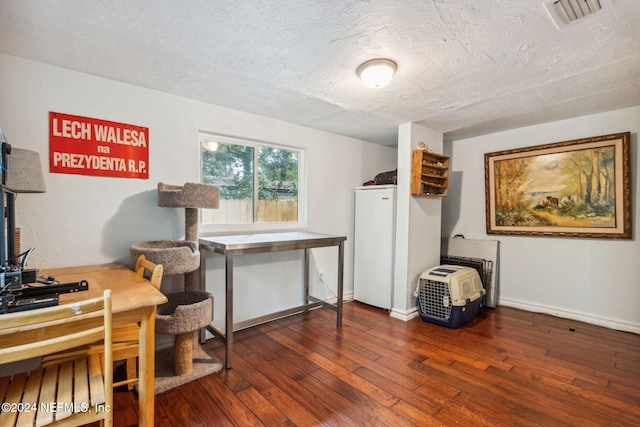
pixel 606 322
pixel 404 315
pixel 345 297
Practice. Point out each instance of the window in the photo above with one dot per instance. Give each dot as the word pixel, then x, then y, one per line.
pixel 259 183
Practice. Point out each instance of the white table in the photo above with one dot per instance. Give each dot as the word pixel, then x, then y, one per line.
pixel 233 245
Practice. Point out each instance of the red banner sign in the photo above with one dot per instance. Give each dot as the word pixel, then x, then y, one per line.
pixel 86 146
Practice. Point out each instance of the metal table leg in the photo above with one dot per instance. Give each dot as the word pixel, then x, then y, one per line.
pixel 228 309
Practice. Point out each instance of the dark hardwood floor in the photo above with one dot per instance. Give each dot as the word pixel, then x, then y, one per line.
pixel 505 367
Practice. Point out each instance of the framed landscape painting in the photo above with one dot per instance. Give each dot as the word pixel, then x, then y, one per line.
pixel 579 188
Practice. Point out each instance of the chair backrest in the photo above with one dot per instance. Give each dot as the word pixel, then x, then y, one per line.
pixel 75 384
pixel 149 270
pixel 34 333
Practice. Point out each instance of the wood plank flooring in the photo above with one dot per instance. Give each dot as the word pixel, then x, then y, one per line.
pixel 505 367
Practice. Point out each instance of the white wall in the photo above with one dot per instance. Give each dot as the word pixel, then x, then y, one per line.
pixel 86 220
pixel 593 280
pixel 417 222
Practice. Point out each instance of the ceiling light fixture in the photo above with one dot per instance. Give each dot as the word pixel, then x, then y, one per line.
pixel 566 12
pixel 377 72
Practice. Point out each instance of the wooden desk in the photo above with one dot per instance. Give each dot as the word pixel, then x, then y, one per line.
pixel 134 299
pixel 229 246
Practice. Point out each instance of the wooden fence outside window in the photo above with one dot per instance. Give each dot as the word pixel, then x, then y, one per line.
pixel 241 212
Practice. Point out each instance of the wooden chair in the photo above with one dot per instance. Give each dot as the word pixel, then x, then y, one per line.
pixel 149 270
pixel 71 393
pixel 125 337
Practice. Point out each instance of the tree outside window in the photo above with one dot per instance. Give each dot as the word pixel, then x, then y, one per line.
pixel 258 183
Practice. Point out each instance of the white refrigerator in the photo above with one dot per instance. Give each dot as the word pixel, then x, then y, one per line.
pixel 374 245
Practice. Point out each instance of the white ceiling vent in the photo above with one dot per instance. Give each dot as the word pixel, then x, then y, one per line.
pixel 565 12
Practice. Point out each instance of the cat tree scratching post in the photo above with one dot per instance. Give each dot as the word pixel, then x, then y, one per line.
pixel 187 311
pixel 191 197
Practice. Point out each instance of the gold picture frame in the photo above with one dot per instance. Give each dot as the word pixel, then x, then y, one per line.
pixel 578 188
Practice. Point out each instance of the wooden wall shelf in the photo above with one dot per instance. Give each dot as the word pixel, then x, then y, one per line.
pixel 429 174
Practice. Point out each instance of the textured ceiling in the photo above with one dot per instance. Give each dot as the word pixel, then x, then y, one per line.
pixel 465 67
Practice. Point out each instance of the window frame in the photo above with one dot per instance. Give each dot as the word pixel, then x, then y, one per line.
pixel 254 226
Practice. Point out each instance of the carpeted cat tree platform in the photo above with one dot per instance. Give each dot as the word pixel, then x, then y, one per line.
pixel 191 310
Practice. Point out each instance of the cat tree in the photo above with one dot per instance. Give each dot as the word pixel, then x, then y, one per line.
pixel 190 310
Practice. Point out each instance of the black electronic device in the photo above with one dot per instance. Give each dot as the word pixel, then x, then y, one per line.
pixel 59 288
pixel 20 288
pixel 31 303
pixel 12 265
pixel 8 224
pixel 5 301
pixel 31 297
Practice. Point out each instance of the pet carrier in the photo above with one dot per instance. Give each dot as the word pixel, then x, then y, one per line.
pixel 449 295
